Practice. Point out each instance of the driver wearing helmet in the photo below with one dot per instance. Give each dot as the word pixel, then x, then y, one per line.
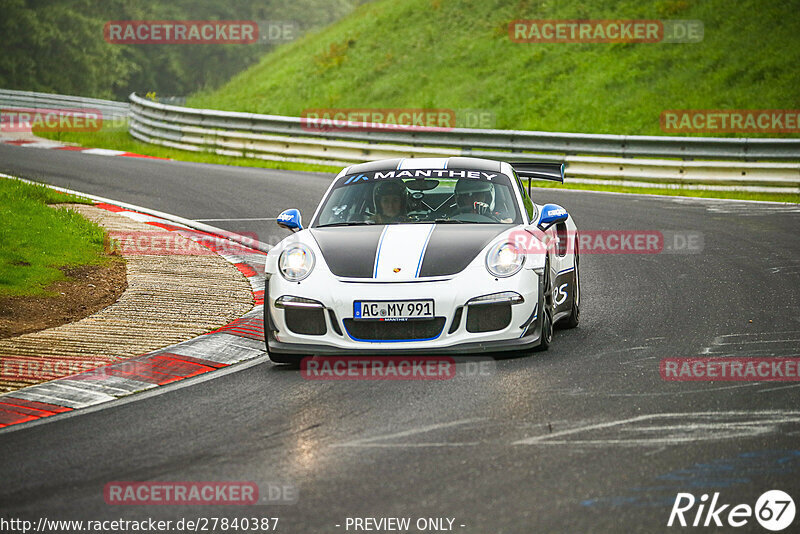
pixel 390 202
pixel 477 196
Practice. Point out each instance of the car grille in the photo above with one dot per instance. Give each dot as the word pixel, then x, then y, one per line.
pixel 413 330
pixel 488 317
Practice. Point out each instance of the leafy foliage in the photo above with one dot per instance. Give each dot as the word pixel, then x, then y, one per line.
pixel 58 46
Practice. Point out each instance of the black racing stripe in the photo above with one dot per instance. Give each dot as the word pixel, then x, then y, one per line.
pixel 453 246
pixel 349 251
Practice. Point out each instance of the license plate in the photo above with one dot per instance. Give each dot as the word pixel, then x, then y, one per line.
pixel 393 309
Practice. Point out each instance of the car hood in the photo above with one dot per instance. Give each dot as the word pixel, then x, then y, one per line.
pixel 403 251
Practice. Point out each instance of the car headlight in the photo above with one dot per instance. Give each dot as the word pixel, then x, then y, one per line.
pixel 504 259
pixel 296 262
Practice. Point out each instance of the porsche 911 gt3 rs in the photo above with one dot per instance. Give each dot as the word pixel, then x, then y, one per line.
pixel 423 256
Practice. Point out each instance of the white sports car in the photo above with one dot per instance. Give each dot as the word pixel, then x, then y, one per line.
pixel 423 256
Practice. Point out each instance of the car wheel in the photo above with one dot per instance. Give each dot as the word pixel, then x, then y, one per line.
pixel 547 306
pixel 547 333
pixel 575 316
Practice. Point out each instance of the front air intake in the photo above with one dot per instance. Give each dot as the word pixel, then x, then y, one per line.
pixel 488 317
pixel 411 330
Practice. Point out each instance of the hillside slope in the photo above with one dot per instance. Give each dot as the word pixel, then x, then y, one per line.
pixel 457 54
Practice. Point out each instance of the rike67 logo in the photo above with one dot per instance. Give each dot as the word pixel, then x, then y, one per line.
pixel 774 510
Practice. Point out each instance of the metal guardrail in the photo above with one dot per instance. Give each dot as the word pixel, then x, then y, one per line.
pixel 506 140
pixel 110 109
pixel 589 156
pixel 279 138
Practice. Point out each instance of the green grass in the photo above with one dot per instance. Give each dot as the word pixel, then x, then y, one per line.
pixel 456 54
pixel 35 240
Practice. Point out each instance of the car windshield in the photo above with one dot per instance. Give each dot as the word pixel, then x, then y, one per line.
pixel 420 196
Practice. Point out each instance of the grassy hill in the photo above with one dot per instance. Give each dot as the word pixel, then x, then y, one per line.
pixel 457 54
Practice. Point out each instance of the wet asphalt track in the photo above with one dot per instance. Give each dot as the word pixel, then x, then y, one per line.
pixel 584 437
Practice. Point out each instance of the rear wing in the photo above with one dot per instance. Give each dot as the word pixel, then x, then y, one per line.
pixel 540 171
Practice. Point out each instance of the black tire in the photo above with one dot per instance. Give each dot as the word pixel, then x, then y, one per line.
pixel 547 333
pixel 575 317
pixel 547 307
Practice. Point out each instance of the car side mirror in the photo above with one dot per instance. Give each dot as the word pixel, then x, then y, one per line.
pixel 290 219
pixel 551 214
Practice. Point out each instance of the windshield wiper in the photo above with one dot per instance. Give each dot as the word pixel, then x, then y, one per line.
pixel 361 223
pixel 441 221
pixel 437 221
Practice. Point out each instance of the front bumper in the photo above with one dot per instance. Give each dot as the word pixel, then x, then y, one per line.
pixel 450 295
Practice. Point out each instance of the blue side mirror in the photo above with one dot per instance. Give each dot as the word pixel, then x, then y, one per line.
pixel 552 214
pixel 290 219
